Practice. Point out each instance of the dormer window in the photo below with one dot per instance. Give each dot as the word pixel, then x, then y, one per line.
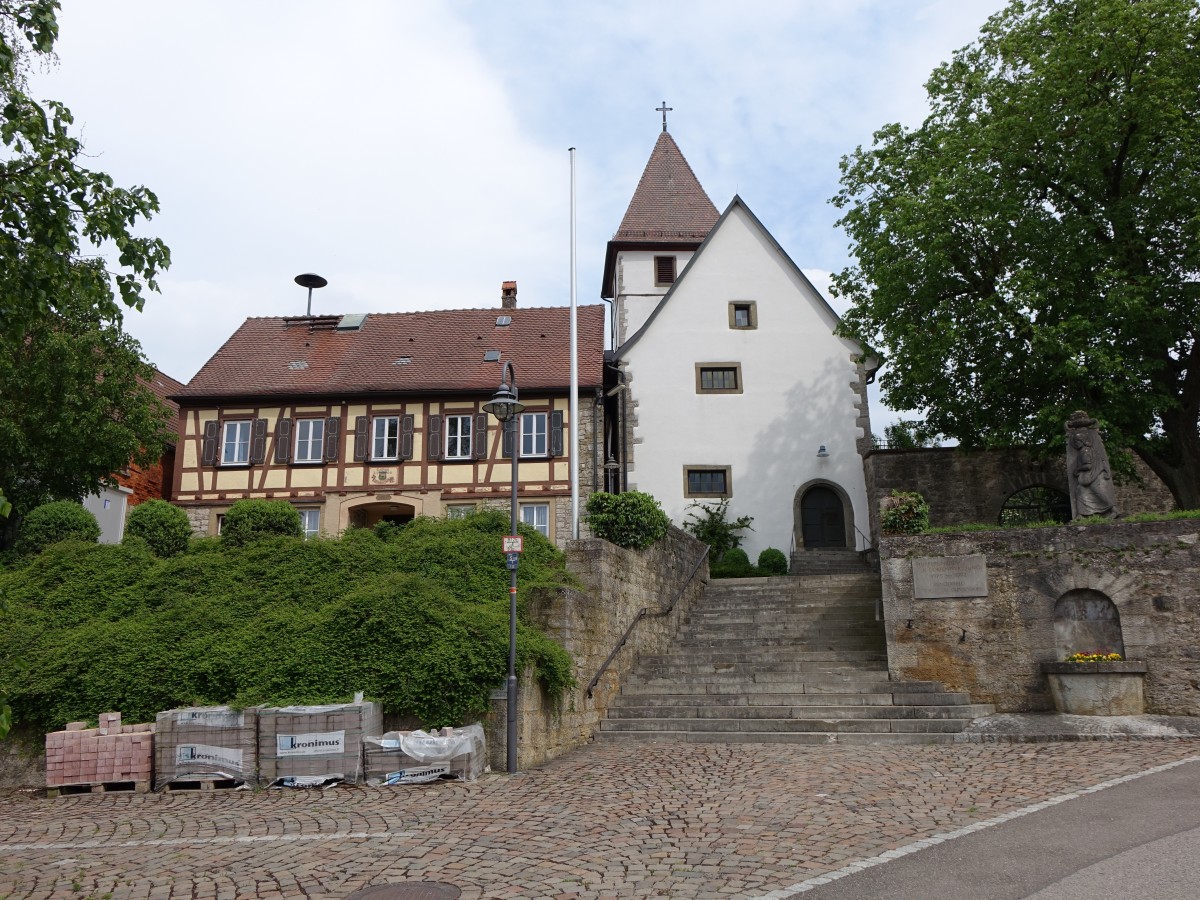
pixel 664 270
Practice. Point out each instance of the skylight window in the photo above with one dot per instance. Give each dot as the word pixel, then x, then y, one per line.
pixel 501 321
pixel 297 365
pixel 402 361
pixel 492 356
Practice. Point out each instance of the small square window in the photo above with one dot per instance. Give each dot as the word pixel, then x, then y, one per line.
pixel 664 270
pixel 458 437
pixel 743 315
pixel 533 434
pixel 537 516
pixel 707 481
pixel 310 521
pixel 385 443
pixel 310 440
pixel 235 445
pixel 718 378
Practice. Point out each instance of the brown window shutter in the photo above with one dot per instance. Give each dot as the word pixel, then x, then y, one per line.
pixel 433 438
pixel 479 437
pixel 664 270
pixel 258 442
pixel 362 438
pixel 208 451
pixel 333 437
pixel 506 443
pixel 406 437
pixel 555 437
pixel 283 441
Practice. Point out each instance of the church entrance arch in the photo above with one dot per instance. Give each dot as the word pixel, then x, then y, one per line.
pixel 823 517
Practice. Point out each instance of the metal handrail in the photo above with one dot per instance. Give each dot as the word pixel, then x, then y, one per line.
pixel 867 545
pixel 642 613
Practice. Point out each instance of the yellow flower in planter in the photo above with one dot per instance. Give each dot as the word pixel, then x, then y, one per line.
pixel 1094 656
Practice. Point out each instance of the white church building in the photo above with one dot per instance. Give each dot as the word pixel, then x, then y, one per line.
pixel 736 386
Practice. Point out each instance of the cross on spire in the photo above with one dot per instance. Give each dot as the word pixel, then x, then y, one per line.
pixel 664 109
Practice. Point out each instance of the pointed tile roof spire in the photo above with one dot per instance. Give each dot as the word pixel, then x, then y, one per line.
pixel 669 204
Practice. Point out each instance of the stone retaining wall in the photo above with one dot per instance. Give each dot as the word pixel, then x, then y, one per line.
pixel 992 647
pixel 589 623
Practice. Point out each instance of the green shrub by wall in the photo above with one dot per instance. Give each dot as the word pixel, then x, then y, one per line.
pixel 248 521
pixel 165 528
pixel 632 519
pixel 772 562
pixel 904 513
pixel 60 520
pixel 734 564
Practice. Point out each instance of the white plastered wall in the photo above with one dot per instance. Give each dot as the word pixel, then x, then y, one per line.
pixel 797 388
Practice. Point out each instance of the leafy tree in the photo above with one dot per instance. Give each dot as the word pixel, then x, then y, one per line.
pixel 1033 248
pixel 75 406
pixel 54 208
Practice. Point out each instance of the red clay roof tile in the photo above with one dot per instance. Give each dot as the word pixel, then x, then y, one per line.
pixel 418 352
pixel 669 203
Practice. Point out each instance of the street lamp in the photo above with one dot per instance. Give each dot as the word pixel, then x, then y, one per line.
pixel 507 409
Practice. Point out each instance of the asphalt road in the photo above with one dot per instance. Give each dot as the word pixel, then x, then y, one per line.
pixel 1140 839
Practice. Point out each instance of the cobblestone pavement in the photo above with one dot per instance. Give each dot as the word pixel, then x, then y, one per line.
pixel 608 821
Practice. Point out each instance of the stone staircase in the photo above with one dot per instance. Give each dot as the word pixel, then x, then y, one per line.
pixel 798 659
pixel 829 562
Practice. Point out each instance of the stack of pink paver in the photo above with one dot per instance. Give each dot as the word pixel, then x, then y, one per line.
pixel 111 754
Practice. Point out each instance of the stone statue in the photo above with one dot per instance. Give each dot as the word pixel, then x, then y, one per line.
pixel 1088 474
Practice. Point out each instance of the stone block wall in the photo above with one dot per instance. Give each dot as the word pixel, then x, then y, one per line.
pixel 992 647
pixel 589 623
pixel 969 486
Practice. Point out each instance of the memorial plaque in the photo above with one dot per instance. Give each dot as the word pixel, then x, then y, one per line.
pixel 941 577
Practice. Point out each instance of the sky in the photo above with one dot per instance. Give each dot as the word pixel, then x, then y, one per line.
pixel 415 154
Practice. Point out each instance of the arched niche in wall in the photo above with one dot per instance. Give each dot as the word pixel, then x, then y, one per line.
pixel 1087 621
pixel 1036 503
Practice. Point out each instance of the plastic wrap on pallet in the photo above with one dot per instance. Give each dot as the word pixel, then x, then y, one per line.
pixel 418 757
pixel 111 754
pixel 206 742
pixel 307 742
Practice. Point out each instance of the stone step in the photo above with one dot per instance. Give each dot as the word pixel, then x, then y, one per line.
pixel 725 701
pixel 802 670
pixel 783 726
pixel 813 738
pixel 783 684
pixel 847 711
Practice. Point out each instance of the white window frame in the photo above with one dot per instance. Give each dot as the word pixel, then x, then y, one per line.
pixel 235 436
pixel 385 432
pixel 306 443
pixel 535 442
pixel 459 431
pixel 531 512
pixel 310 522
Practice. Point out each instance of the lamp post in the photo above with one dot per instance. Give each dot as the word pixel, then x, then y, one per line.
pixel 507 409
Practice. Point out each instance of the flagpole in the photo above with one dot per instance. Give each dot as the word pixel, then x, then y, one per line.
pixel 574 401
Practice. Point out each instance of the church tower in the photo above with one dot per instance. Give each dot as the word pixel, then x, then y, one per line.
pixel 669 216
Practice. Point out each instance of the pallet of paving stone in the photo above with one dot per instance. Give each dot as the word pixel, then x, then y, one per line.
pixel 312 745
pixel 206 745
pixel 419 757
pixel 107 758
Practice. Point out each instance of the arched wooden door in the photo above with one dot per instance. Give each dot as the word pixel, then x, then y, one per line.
pixel 822 519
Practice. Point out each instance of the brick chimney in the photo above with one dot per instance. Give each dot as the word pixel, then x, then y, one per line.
pixel 508 295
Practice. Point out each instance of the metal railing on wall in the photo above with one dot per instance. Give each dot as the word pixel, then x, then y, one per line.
pixel 643 613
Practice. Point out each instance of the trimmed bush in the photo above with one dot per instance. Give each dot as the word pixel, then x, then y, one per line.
pixel 632 519
pixel 61 520
pixel 904 513
pixel 772 562
pixel 165 528
pixel 249 521
pixel 734 564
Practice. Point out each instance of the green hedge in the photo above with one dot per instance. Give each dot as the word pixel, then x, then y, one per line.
pixel 632 519
pixel 419 622
pixel 59 520
pixel 165 528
